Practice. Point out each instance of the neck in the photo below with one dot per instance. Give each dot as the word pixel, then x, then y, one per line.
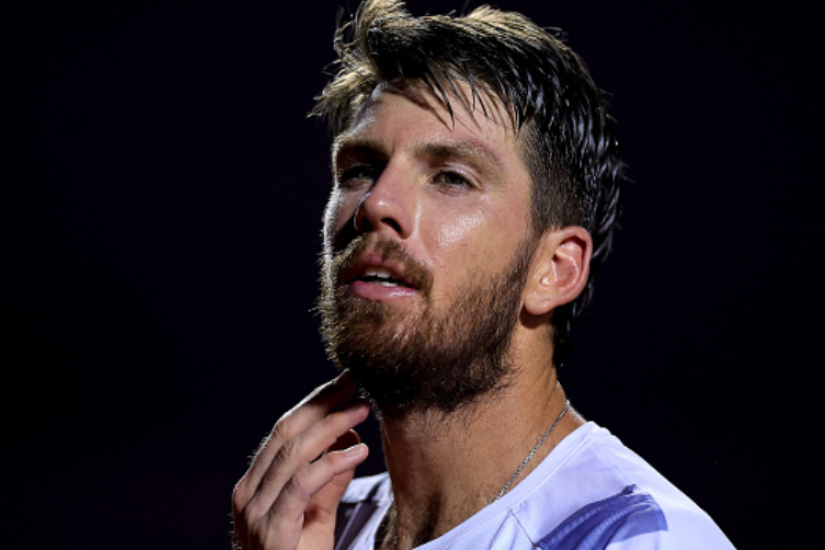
pixel 446 467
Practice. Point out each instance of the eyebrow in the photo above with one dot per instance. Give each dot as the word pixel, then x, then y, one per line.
pixel 347 142
pixel 466 150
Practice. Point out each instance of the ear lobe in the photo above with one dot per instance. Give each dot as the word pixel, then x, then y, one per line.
pixel 559 270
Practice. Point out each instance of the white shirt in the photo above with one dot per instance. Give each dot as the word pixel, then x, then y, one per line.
pixel 591 492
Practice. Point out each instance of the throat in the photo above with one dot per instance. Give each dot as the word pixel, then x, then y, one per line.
pixel 437 491
pixel 408 533
pixel 445 472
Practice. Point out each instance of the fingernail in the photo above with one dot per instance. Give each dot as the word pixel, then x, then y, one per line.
pixel 357 450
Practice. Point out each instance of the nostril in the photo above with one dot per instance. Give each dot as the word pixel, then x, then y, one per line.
pixel 362 224
pixel 393 223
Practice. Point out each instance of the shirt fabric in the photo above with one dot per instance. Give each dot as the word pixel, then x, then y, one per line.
pixel 591 492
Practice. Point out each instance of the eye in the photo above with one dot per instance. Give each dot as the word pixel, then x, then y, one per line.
pixel 358 174
pixel 451 179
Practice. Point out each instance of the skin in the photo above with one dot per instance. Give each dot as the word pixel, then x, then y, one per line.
pixel 457 197
pixel 401 178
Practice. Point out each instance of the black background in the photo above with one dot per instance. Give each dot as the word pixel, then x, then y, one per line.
pixel 161 218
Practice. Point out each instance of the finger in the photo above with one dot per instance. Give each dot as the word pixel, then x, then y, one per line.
pixel 292 503
pixel 324 504
pixel 287 524
pixel 318 521
pixel 306 447
pixel 310 410
pixel 252 513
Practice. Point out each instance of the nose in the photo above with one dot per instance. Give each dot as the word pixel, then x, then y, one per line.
pixel 389 205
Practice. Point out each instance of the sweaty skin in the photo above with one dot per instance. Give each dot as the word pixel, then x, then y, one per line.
pixel 449 194
pixel 456 196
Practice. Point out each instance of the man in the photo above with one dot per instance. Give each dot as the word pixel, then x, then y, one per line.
pixel 477 183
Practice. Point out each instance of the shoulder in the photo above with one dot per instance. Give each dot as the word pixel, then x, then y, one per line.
pixel 597 493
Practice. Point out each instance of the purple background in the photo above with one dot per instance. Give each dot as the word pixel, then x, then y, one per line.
pixel 162 222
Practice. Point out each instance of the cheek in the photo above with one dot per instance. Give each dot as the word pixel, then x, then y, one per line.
pixel 458 239
pixel 459 231
pixel 481 237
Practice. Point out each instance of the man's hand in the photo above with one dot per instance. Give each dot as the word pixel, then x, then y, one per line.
pixel 288 497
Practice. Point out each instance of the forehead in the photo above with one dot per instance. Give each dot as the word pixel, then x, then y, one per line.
pixel 416 112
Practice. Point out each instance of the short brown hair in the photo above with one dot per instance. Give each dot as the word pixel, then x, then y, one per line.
pixel 571 144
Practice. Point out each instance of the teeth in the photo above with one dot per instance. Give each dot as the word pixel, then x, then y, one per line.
pixel 379 273
pixel 381 277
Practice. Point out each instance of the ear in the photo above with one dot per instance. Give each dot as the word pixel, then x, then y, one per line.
pixel 559 269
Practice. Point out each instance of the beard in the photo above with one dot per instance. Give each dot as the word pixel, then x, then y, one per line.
pixel 437 360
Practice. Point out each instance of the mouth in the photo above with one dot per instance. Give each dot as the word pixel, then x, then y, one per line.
pixel 382 277
pixel 380 270
pixel 376 273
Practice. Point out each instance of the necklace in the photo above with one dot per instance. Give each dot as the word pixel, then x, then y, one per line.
pixel 533 452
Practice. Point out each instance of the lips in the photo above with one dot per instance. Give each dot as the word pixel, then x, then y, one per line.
pixel 371 269
pixel 378 268
pixel 381 276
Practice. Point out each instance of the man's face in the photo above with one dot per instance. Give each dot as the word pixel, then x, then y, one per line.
pixel 427 243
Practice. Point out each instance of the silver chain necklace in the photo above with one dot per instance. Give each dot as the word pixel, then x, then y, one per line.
pixel 533 452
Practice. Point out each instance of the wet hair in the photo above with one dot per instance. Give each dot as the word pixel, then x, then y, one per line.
pixel 570 143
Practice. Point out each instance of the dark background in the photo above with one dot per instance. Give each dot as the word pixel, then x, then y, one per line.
pixel 162 220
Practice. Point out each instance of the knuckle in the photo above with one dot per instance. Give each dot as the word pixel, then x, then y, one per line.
pixel 288 451
pixel 335 460
pixel 240 494
pixel 282 429
pixel 251 515
pixel 237 502
pixel 332 421
pixel 298 485
pixel 332 427
pixel 336 463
